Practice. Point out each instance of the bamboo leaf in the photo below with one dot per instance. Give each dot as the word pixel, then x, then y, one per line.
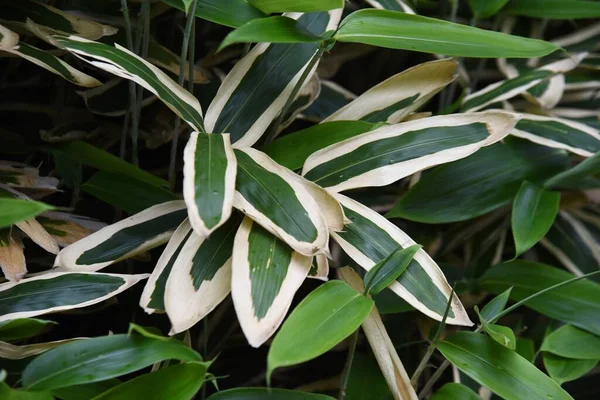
pixel 59 291
pixel 6 392
pixel 331 98
pixel 17 210
pixel 232 13
pixel 258 393
pixel 501 334
pixel 272 30
pixel 138 233
pixel 23 328
pixel 566 369
pixel 209 180
pixel 13 352
pixel 102 358
pixel 393 5
pixel 266 274
pixel 369 238
pixel 389 269
pixel 501 370
pixel 495 306
pixel 123 63
pixel 576 303
pixel 455 391
pixel 486 8
pixel 390 153
pixel 534 211
pixel 571 342
pixel 178 382
pixel 324 318
pixel 572 177
pixel 257 88
pixel 276 6
pixel 266 192
pixel 403 31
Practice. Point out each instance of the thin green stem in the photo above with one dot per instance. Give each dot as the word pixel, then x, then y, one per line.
pixel 348 366
pixel 185 45
pixel 272 134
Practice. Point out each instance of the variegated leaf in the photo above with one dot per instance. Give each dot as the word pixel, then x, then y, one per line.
pixel 510 88
pixel 387 154
pixel 265 276
pixel 208 180
pixel 52 18
pixel 559 133
pixel 67 228
pixel 12 258
pixel 201 276
pixel 43 59
pixel 60 291
pixel 575 242
pixel 14 352
pixel 389 362
pixel 36 232
pixel 136 234
pixel 319 268
pixel 152 298
pixel 21 176
pixel 394 5
pixel 111 99
pixel 125 64
pixel 370 238
pixel 331 98
pixel 258 86
pixel 265 192
pixel 306 97
pixel 396 97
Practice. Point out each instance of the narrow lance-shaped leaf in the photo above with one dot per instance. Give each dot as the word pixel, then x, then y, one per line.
pixel 559 133
pixel 572 342
pixel 495 306
pixel 276 6
pixel 276 29
pixel 403 31
pixel 201 276
pixel 138 233
pixel 455 391
pixel 389 269
pixel 383 348
pixel 111 99
pixel 563 369
pixel 577 303
pixel 486 8
pixel 23 328
pixel 257 88
pixel 102 358
pixel 370 238
pixel 577 175
pixel 265 192
pixel 265 276
pixel 390 153
pixel 393 5
pixel 396 97
pixel 500 369
pixel 123 63
pixel 232 13
pixel 323 319
pixel 59 291
pixel 534 210
pixel 17 210
pixel 177 382
pixel 12 257
pixel 152 298
pixel 519 84
pixel 208 180
pixel 44 59
pixel 260 393
pixel 501 334
pixel 15 352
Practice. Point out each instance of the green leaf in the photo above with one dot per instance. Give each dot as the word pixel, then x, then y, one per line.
pixel 179 382
pixel 121 62
pixel 387 154
pixel 124 192
pixel 265 275
pixel 291 151
pixel 59 291
pixel 86 391
pixel 7 393
pixel 403 31
pixel 455 391
pixel 23 328
pixel 389 269
pixel 257 88
pixel 571 178
pixel 102 160
pixel 495 306
pixel 232 13
pixel 365 380
pixel 526 349
pixel 208 180
pixel 577 303
pixel 483 182
pixel 101 358
pixel 258 393
pixel 555 9
pixel 486 8
pixel 566 369
pixel 571 342
pixel 501 370
pixel 534 211
pixel 501 334
pixel 279 6
pixel 17 210
pixel 324 318
pixel 272 30
pixel 126 238
pixel 331 98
